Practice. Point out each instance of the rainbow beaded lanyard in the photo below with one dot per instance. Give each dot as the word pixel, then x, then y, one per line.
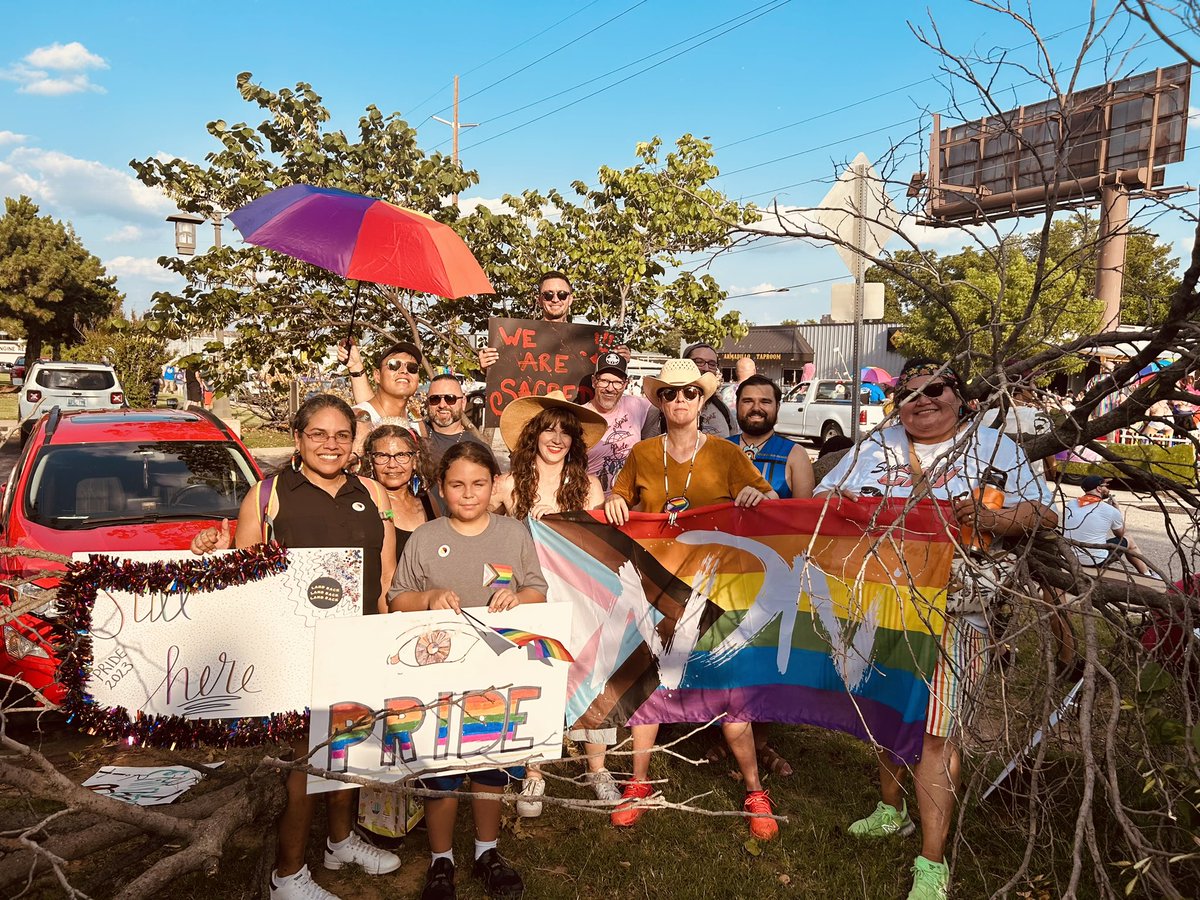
pixel 675 505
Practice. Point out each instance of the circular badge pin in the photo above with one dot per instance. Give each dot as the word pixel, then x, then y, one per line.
pixel 358 506
pixel 444 551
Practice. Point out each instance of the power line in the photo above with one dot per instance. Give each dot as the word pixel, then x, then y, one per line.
pixel 788 287
pixel 533 37
pixel 632 75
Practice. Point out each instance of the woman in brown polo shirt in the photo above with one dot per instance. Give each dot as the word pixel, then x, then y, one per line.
pixel 313 502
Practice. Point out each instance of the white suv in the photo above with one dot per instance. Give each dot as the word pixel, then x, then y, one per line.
pixel 68 385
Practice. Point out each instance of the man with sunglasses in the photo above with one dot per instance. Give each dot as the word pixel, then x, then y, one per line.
pixel 445 425
pixel 625 414
pixel 554 296
pixel 936 453
pixel 397 376
pixel 715 417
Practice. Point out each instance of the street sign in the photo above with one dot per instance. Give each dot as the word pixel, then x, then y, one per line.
pixel 842 305
pixel 840 210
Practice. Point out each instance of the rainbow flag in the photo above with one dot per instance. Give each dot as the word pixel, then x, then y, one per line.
pixel 788 612
pixel 538 646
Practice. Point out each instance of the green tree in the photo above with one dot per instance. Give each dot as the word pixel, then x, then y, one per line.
pixel 49 282
pixel 135 347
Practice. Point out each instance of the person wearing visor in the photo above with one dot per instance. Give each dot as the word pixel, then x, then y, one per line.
pixel 680 470
pixel 935 453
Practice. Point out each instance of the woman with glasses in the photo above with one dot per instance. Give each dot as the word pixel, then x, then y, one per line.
pixel 937 452
pixel 685 469
pixel 716 418
pixel 395 458
pixel 313 502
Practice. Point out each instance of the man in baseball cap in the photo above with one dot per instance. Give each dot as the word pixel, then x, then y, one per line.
pixel 1094 519
pixel 624 413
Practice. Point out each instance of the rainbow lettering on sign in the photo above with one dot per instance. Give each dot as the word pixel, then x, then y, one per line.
pixel 538 646
pixel 402 716
pixel 497 575
pixel 356 724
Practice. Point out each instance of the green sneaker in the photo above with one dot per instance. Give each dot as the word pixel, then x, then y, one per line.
pixel 884 822
pixel 930 880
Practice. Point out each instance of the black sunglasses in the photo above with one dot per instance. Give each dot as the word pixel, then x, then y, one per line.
pixel 394 365
pixel 691 392
pixel 932 391
pixel 448 399
pixel 550 295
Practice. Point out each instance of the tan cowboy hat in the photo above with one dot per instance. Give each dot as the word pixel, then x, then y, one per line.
pixel 519 413
pixel 679 373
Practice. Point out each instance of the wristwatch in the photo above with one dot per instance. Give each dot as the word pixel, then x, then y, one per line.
pixel 357 374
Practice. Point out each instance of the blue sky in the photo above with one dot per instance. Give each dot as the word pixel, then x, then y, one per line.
pixel 786 91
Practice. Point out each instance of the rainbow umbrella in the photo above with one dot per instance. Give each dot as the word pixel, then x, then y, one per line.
pixel 876 375
pixel 363 238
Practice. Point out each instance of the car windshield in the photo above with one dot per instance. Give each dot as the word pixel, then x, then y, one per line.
pixel 76 379
pixel 86 485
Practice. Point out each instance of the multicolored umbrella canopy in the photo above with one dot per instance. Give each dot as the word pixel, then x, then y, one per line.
pixel 363 238
pixel 876 375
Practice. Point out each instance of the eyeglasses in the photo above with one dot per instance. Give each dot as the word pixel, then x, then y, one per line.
pixel 609 384
pixel 550 295
pixel 393 365
pixel 932 391
pixel 321 437
pixel 710 364
pixel 448 399
pixel 691 392
pixel 380 458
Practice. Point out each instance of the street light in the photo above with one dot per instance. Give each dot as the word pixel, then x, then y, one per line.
pixel 185 231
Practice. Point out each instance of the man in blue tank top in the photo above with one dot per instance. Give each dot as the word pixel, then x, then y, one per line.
pixel 784 463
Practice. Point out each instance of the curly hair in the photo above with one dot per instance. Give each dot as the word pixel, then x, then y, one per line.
pixel 421 467
pixel 573 489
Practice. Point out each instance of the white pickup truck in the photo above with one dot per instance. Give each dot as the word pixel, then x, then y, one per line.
pixel 819 410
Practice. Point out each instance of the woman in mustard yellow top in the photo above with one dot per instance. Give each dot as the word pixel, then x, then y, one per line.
pixel 685 469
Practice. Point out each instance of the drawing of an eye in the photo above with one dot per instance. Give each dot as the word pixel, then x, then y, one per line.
pixel 425 646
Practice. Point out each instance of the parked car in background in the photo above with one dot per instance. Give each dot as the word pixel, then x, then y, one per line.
pixel 68 385
pixel 18 371
pixel 110 482
pixel 819 410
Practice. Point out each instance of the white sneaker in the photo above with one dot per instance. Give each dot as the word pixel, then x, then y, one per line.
pixel 604 785
pixel 354 850
pixel 533 788
pixel 299 887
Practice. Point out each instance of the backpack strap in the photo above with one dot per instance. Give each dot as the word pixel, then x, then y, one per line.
pixel 268 506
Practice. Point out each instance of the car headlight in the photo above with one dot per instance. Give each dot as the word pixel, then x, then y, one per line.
pixel 18 646
pixel 47 610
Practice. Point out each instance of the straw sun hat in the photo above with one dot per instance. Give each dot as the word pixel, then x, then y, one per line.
pixel 519 413
pixel 679 373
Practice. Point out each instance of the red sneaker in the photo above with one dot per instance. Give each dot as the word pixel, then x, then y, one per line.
pixel 627 814
pixel 761 828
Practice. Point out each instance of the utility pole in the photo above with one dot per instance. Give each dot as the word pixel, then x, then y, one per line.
pixel 455 127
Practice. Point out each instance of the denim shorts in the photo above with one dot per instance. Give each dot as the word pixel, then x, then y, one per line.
pixel 486 777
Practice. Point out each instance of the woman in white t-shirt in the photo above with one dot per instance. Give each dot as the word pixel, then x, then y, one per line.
pixel 936 451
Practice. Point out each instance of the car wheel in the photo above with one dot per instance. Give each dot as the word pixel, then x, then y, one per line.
pixel 830 430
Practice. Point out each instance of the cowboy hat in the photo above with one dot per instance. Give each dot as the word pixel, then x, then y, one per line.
pixel 518 414
pixel 679 373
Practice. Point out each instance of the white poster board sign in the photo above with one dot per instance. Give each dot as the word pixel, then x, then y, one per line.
pixel 451 697
pixel 143 785
pixel 243 650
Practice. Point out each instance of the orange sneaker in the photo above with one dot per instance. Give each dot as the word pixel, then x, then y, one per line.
pixel 627 814
pixel 761 828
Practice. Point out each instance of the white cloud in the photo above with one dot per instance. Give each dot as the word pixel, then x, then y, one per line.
pixel 493 204
pixel 11 137
pixel 1193 119
pixel 762 289
pixel 126 233
pixel 56 70
pixel 70 187
pixel 72 57
pixel 139 267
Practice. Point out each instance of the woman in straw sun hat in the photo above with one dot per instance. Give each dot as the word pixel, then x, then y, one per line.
pixel 548 437
pixel 684 469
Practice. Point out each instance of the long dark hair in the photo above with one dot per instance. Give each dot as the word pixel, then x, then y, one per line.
pixel 421 467
pixel 573 489
pixel 304 415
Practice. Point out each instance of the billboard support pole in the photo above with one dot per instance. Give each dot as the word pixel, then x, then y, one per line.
pixel 1110 262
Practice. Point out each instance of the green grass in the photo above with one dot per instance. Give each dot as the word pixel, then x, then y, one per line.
pixel 8 407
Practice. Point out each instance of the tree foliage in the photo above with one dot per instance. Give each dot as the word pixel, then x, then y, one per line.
pixel 618 241
pixel 49 282
pixel 134 346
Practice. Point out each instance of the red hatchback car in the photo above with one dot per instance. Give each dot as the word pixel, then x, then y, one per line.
pixel 108 482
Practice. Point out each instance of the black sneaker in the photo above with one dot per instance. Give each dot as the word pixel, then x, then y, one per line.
pixel 439 881
pixel 498 877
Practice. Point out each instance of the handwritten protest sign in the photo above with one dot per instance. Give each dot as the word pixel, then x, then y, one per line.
pixel 143 785
pixel 242 650
pixel 449 700
pixel 538 357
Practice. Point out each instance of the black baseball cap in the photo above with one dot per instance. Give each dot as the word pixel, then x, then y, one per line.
pixel 1091 482
pixel 611 362
pixel 400 347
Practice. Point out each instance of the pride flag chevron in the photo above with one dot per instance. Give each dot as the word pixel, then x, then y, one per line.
pixel 755 614
pixel 497 575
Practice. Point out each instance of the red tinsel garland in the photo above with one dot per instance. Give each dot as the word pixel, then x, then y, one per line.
pixel 77 595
